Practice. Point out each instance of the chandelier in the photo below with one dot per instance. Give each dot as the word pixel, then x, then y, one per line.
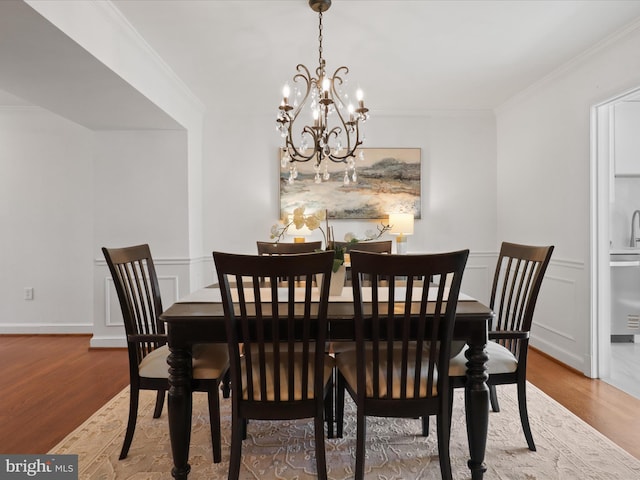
pixel 333 133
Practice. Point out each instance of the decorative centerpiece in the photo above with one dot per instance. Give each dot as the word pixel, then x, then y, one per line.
pixel 314 221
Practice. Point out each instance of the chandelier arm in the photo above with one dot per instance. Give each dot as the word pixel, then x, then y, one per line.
pixel 336 74
pixel 295 154
pixel 308 80
pixel 337 100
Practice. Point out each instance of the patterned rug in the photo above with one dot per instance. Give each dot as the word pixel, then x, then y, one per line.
pixel 567 447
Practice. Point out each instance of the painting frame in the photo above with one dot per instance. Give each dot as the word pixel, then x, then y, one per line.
pixel 389 180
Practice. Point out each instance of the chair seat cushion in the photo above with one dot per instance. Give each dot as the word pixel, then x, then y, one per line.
pixel 298 366
pixel 209 361
pixel 501 360
pixel 346 362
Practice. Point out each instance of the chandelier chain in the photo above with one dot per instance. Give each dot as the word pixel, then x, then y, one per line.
pixel 320 59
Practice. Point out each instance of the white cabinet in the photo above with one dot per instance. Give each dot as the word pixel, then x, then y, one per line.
pixel 626 148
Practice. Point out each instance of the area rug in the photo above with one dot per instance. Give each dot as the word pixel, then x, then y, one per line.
pixel 567 448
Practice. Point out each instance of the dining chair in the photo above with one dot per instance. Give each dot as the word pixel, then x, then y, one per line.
pixel 516 284
pixel 277 340
pixel 278 248
pixel 282 248
pixel 382 246
pixel 402 344
pixel 136 284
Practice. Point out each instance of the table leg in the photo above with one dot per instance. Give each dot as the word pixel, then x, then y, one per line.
pixel 179 405
pixel 477 405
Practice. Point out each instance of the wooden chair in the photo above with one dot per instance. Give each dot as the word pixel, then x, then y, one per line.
pixel 402 345
pixel 383 246
pixel 279 368
pixel 516 284
pixel 136 283
pixel 278 248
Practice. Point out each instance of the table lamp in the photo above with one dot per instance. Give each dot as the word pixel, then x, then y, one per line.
pixel 298 234
pixel 401 225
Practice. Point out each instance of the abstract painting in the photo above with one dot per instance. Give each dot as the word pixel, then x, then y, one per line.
pixel 388 180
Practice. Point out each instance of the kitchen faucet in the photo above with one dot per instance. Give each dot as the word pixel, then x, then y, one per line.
pixel 634 238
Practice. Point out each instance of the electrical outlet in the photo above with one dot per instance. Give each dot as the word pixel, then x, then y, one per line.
pixel 28 293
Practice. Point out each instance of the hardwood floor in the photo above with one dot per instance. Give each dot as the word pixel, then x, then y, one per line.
pixel 52 385
pixel 57 382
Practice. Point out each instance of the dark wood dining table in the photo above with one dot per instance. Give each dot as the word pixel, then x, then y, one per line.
pixel 199 318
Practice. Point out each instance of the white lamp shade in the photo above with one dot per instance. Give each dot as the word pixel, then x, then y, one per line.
pixel 401 223
pixel 298 232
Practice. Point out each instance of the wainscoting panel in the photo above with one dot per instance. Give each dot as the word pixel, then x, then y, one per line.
pixel 174 279
pixel 561 321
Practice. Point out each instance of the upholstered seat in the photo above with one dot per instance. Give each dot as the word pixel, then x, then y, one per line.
pixel 502 360
pixel 346 362
pixel 207 361
pixel 284 367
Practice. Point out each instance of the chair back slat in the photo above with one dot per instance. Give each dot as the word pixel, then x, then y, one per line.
pixel 517 280
pixel 136 285
pixel 407 319
pixel 277 327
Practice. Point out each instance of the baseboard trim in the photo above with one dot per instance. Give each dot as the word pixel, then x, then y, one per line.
pixel 555 360
pixel 108 342
pixel 46 329
pixel 561 354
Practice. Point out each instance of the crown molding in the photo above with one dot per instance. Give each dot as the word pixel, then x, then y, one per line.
pixel 119 21
pixel 111 30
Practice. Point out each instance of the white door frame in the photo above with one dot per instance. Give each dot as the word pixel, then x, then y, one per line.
pixel 602 127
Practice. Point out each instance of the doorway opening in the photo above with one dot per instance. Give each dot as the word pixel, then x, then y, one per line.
pixel 615 175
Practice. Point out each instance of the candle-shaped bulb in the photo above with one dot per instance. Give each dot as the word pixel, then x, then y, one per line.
pixel 286 90
pixel 351 110
pixel 326 83
pixel 359 95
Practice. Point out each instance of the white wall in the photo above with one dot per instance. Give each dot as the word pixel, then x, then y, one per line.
pixel 543 185
pixel 140 183
pixel 46 213
pixel 241 179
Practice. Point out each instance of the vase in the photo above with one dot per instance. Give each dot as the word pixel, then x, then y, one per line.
pixel 337 281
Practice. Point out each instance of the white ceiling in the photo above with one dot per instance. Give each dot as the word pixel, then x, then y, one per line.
pixel 408 56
